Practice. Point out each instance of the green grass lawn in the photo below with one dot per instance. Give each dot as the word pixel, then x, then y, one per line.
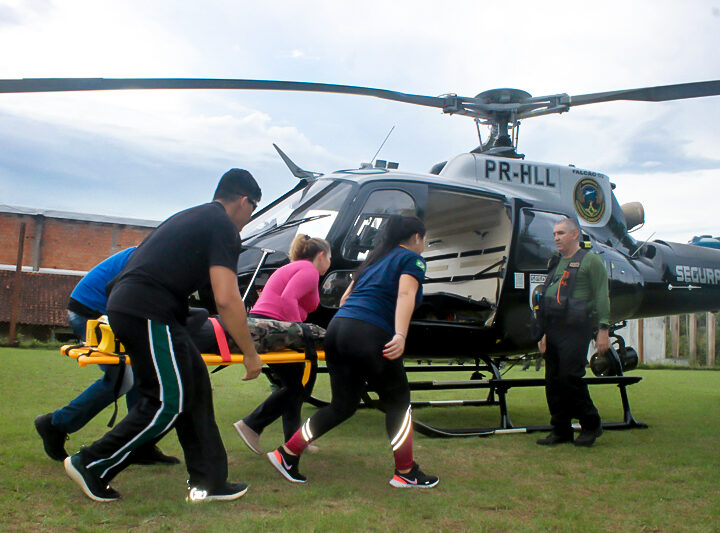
pixel 665 478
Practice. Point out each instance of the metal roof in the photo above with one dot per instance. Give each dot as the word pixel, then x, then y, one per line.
pixel 85 217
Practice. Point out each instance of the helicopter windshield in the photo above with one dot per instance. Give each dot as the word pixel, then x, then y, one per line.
pixel 311 211
pixel 280 213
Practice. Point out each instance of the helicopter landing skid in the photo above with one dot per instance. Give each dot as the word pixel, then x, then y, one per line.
pixel 498 388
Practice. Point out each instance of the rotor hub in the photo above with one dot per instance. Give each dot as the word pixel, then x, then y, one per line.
pixel 503 96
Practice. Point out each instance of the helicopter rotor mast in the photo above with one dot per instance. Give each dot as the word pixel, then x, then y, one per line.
pixel 498 108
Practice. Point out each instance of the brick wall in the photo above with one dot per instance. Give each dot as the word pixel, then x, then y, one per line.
pixel 56 243
pixel 42 299
pixel 64 243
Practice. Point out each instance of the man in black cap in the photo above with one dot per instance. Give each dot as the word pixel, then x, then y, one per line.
pixel 147 308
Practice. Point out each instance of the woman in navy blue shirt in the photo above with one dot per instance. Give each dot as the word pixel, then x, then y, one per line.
pixel 363 345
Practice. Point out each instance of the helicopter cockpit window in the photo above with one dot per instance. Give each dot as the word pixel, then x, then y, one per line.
pixel 536 244
pixel 311 211
pixel 366 230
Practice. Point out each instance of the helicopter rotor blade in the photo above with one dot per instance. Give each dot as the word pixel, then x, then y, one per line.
pixel 661 93
pixel 39 85
pixel 493 110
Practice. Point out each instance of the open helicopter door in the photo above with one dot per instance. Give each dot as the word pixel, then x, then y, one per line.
pixel 468 242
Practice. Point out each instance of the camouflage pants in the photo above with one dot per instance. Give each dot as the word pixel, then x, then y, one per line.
pixel 274 335
pixel 268 335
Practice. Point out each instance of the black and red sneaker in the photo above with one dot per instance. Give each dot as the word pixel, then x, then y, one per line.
pixel 287 465
pixel 415 479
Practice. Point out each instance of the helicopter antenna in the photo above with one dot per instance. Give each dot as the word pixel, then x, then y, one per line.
pixel 383 144
pixel 643 244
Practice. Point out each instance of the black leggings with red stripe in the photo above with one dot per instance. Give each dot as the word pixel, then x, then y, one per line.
pixel 353 354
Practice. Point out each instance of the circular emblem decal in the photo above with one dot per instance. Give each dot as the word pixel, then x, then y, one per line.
pixel 589 200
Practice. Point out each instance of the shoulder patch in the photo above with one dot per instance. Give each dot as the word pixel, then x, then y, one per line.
pixel 420 264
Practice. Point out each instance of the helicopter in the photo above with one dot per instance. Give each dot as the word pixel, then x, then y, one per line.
pixel 489 215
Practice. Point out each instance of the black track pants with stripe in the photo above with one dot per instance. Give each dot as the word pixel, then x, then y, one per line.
pixel 175 391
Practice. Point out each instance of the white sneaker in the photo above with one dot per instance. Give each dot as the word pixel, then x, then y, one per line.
pixel 248 436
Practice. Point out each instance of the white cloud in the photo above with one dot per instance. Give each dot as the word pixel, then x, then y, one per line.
pixel 420 47
pixel 677 206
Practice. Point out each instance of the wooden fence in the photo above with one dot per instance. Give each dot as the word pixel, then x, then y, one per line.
pixel 686 340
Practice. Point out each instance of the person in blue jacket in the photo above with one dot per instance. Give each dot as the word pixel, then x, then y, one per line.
pixel 88 301
pixel 363 346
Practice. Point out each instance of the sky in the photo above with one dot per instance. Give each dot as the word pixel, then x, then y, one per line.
pixel 148 154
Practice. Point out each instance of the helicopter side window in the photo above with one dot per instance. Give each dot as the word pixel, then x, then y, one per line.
pixel 377 209
pixel 334 286
pixel 536 244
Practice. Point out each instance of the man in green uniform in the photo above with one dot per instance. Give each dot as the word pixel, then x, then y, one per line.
pixel 575 302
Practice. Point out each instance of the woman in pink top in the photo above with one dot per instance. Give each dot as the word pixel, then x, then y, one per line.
pixel 289 295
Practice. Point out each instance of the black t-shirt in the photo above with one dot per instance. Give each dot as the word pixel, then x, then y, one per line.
pixel 173 262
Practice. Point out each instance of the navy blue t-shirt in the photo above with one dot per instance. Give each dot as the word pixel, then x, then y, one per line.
pixel 374 297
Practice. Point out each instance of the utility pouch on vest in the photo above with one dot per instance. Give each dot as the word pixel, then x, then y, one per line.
pixel 577 313
pixel 537 323
pixel 563 307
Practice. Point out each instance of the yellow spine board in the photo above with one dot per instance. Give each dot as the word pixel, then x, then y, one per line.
pixel 88 356
pixel 102 351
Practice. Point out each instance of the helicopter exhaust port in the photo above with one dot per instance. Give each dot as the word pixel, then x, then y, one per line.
pixel 634 214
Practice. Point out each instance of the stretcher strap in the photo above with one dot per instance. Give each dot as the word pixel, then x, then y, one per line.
pixel 116 389
pixel 311 356
pixel 65 350
pixel 221 340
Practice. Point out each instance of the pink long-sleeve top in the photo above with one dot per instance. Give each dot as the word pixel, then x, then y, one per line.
pixel 290 293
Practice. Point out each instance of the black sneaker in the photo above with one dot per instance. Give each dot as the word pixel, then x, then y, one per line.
pixel 152 456
pixel 53 439
pixel 587 437
pixel 93 487
pixel 229 492
pixel 286 464
pixel 415 479
pixel 555 438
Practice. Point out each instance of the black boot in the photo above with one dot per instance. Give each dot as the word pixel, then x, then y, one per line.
pixel 587 437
